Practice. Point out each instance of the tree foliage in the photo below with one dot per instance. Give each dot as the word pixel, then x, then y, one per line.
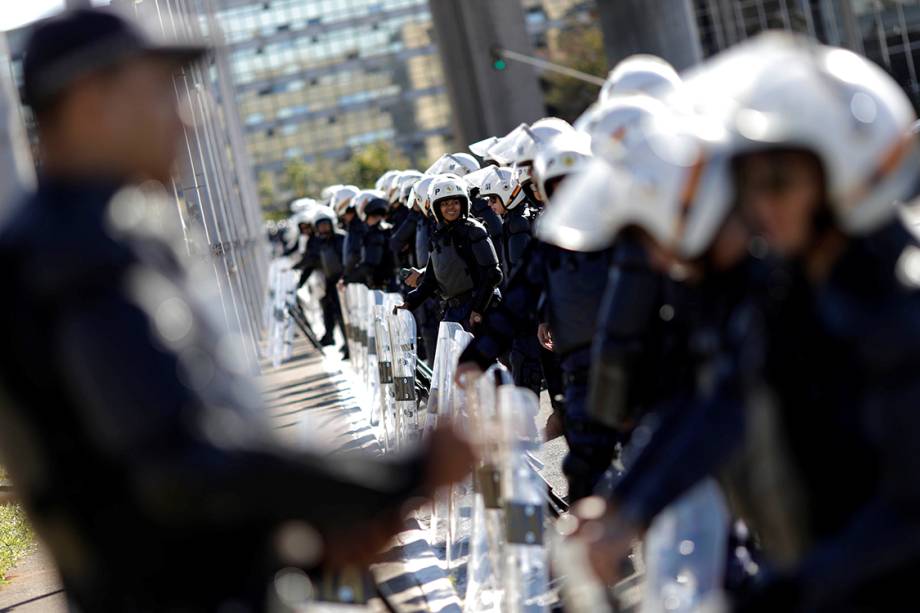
pixel 582 48
pixel 302 179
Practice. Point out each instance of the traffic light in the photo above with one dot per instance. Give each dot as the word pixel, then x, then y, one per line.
pixel 498 60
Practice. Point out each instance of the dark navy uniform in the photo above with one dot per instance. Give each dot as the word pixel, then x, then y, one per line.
pixel 639 353
pixel 375 268
pixel 568 286
pixel 325 254
pixel 351 248
pixel 131 438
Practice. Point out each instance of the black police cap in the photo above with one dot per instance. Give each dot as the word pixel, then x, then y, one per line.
pixel 76 43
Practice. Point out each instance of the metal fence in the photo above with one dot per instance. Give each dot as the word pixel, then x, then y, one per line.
pixel 214 191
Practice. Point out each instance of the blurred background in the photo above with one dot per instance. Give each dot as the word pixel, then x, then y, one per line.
pixel 336 91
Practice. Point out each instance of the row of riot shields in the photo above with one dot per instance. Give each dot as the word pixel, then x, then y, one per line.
pixel 494 528
pixel 382 351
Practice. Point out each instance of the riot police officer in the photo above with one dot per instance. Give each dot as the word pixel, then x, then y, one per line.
pixel 462 266
pixel 375 267
pixel 324 252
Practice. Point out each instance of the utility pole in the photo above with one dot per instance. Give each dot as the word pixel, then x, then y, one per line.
pixel 488 97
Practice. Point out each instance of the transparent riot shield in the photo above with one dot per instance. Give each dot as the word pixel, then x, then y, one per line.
pixel 403 341
pixel 526 573
pixel 442 373
pixel 439 403
pixel 459 501
pixel 357 297
pixel 371 373
pixel 685 550
pixel 484 588
pixel 386 355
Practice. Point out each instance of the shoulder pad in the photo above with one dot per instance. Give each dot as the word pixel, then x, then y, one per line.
pixel 475 230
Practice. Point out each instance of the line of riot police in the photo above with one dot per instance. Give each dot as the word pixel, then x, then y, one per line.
pixel 714 275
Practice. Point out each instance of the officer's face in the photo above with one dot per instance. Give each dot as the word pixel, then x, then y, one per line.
pixel 780 194
pixel 324 229
pixel 143 120
pixel 495 203
pixel 450 209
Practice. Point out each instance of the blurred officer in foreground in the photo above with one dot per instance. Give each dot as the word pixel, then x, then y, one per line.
pixel 131 437
pixel 816 431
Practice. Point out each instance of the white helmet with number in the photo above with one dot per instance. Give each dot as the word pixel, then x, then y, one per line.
pixel 674 183
pixel 493 181
pixel 343 198
pixel 565 155
pixel 449 186
pixel 640 74
pixel 790 93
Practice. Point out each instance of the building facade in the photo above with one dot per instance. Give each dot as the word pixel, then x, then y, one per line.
pixel 318 79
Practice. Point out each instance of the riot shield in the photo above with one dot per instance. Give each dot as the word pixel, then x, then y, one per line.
pixel 385 358
pixel 371 374
pixel 484 587
pixel 526 573
pixel 439 403
pixel 403 341
pixel 459 501
pixel 685 550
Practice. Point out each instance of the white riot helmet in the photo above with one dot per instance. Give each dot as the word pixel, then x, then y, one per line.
pixel 790 93
pixel 343 198
pixel 302 204
pixel 421 194
pixel 323 213
pixel 384 181
pixel 481 148
pixel 448 186
pixel 522 143
pixel 460 164
pixel 674 183
pixel 327 193
pixel 640 74
pixel 614 123
pixel 565 155
pixel 404 183
pixel 493 181
pixel 363 197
